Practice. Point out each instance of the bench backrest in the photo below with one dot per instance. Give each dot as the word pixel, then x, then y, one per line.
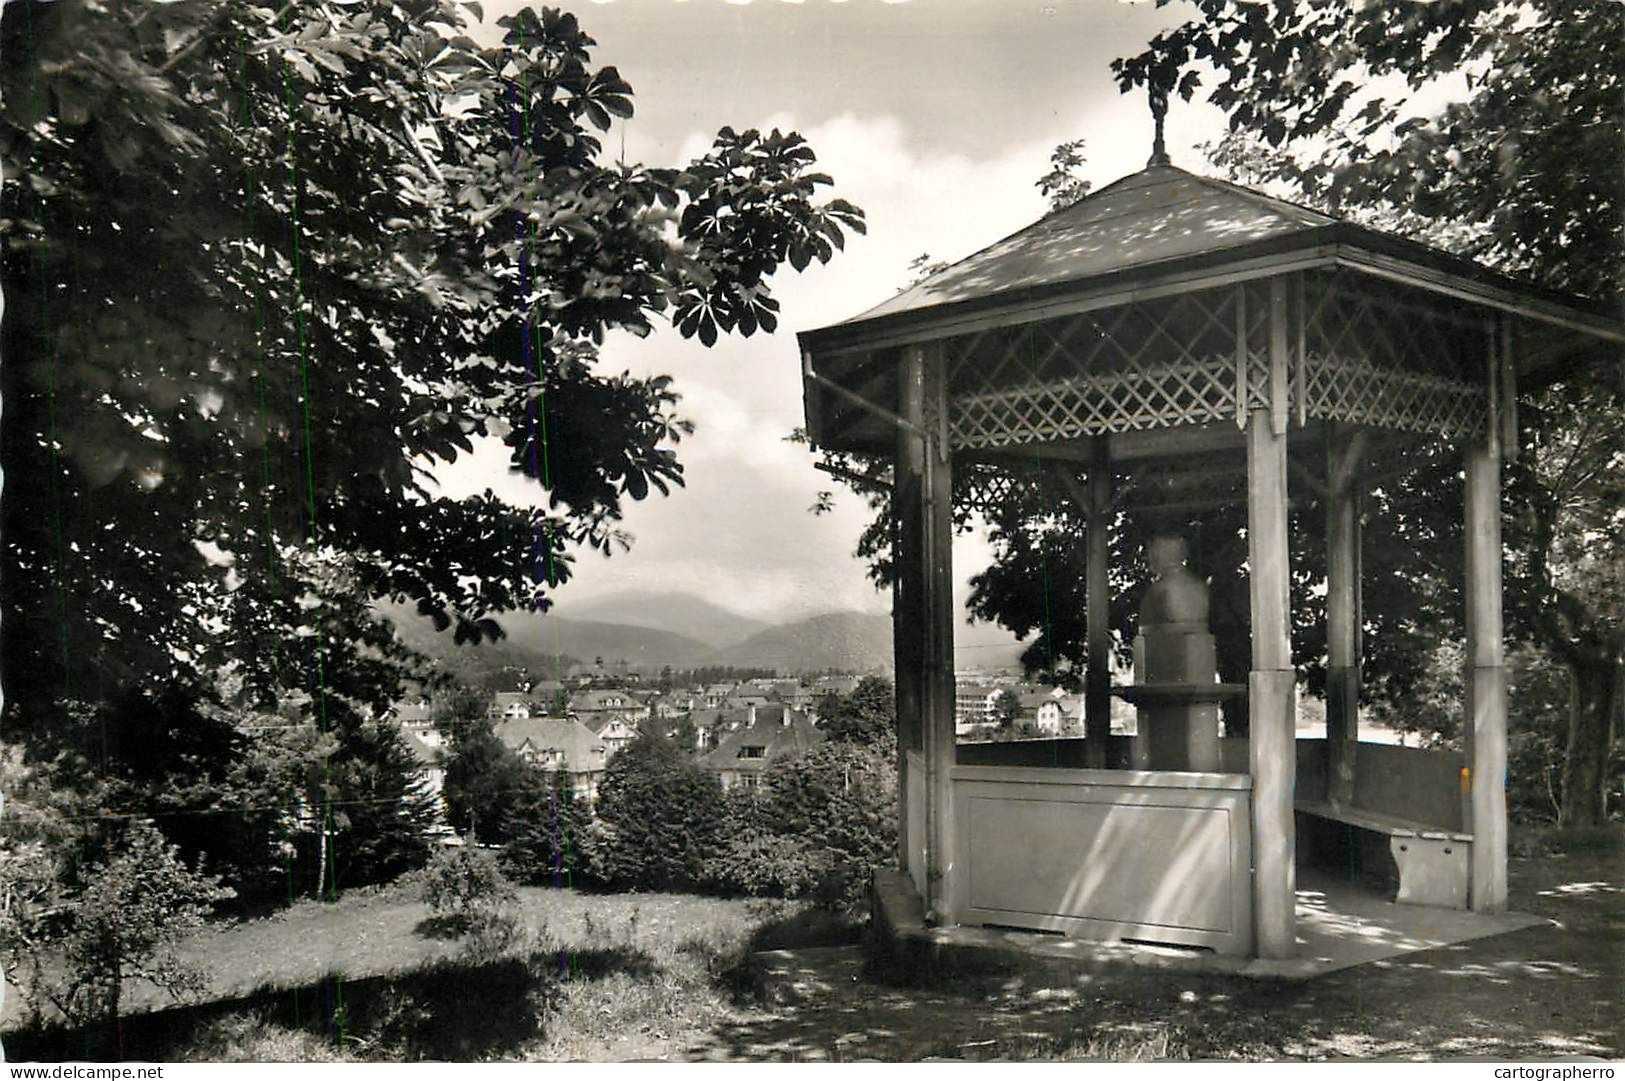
pixel 1407 782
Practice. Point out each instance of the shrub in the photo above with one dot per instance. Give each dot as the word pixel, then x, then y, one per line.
pixel 465 888
pixel 659 822
pixel 825 820
pixel 126 922
pixel 756 858
pixel 838 803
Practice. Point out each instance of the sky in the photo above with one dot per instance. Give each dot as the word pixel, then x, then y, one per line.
pixel 937 117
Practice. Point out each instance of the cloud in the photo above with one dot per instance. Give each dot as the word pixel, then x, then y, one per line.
pixel 740 532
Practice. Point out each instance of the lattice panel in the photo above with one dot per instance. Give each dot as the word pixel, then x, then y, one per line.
pixel 1357 318
pixel 1363 393
pixel 1149 396
pixel 985 489
pixel 1148 365
pixel 1254 392
pixel 1375 355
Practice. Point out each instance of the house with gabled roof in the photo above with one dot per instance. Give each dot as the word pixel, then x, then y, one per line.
pixel 614 731
pixel 432 768
pixel 773 732
pixel 556 744
pixel 511 706
pixel 1059 710
pixel 716 694
pixel 416 718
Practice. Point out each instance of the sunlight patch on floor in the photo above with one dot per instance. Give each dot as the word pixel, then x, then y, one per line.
pixel 1580 889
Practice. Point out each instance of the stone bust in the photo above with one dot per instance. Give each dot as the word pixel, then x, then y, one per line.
pixel 1177 596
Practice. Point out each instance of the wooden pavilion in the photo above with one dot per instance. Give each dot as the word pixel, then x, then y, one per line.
pixel 1165 320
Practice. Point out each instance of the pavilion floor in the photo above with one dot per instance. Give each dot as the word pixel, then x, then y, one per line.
pixel 1340 924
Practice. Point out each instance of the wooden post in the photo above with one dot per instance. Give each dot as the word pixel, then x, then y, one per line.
pixel 1097 700
pixel 943 872
pixel 908 594
pixel 923 624
pixel 1342 613
pixel 1271 685
pixel 1486 706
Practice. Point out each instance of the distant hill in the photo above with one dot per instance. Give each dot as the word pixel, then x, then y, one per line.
pixel 680 613
pixel 657 633
pixel 645 647
pixel 856 641
pixel 547 644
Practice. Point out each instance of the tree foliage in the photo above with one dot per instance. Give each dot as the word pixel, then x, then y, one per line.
pixel 865 715
pixel 485 782
pixel 1062 185
pixel 265 268
pixel 543 830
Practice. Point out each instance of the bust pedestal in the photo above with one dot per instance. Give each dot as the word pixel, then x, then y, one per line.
pixel 1176 698
pixel 1175 690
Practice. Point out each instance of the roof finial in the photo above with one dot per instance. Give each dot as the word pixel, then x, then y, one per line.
pixel 1158 95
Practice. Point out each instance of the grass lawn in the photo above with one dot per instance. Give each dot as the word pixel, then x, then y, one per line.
pixel 591 977
pixel 379 932
pixel 661 976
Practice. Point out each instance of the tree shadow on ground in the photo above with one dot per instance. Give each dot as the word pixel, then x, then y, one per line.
pixel 442 928
pixel 1543 992
pixel 456 1009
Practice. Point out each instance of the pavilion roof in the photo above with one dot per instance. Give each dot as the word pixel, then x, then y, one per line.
pixel 1158 214
pixel 1165 220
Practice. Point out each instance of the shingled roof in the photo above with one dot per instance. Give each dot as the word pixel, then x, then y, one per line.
pixel 776 738
pixel 1153 216
pixel 1166 221
pixel 583 751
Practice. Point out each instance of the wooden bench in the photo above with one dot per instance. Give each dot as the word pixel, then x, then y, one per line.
pixel 1434 864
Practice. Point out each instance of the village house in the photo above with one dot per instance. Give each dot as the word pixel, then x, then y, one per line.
pixel 433 770
pixel 614 700
pixel 602 672
pixel 616 731
pixel 1059 711
pixel 597 709
pixel 834 685
pixel 708 728
pixel 716 694
pixel 974 705
pixel 792 694
pixel 555 744
pixel 415 719
pixel 551 695
pixel 511 706
pixel 770 733
pixel 668 707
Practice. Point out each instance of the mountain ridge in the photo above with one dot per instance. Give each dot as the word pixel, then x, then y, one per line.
pixel 844 639
pixel 671 610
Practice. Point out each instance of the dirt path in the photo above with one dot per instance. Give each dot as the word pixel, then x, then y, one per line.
pixel 1552 991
